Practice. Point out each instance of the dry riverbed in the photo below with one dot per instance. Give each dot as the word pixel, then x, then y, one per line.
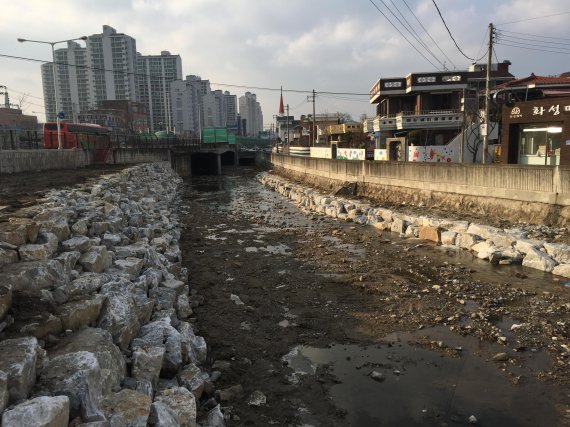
pixel 318 322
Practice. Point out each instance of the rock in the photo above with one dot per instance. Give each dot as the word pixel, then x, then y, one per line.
pixel 377 376
pixel 147 364
pixel 120 314
pixel 191 378
pixel 448 238
pixel 215 417
pixel 412 230
pixel 100 343
pixel 5 300
pixel 68 261
pixel 77 243
pixel 59 228
pixel 144 304
pixel 127 408
pixel 110 240
pixel 161 415
pixel 538 260
pixel 27 277
pixel 98 228
pixel 96 259
pixel 430 233
pixel 80 314
pixel 472 419
pixel 161 333
pixel 231 394
pixel 486 232
pixel 130 265
pixel 4 394
pixel 164 298
pixel 175 285
pixel 137 250
pixel 18 358
pixel 8 256
pixel 183 307
pixel 51 214
pixel 501 357
pixel 466 240
pixel 34 252
pixel 398 226
pixel 43 325
pixel 43 411
pixel 524 245
pixel 80 227
pixel 77 376
pixel 485 249
pixel 257 398
pixel 32 228
pixel 84 285
pixel 181 403
pixel 14 234
pixel 559 252
pixel 562 270
pixel 195 346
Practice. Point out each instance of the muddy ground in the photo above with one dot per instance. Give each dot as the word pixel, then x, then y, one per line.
pixel 460 337
pixel 387 331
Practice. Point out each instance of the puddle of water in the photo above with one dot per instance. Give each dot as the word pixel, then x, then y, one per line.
pixel 424 388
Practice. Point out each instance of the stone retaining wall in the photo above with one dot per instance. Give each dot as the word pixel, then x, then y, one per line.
pixel 95 308
pixel 499 246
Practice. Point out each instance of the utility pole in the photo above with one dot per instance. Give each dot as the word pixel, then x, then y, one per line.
pixel 314 124
pixel 461 148
pixel 288 143
pixel 485 129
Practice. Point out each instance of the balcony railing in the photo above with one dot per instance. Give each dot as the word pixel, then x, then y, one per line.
pixel 418 119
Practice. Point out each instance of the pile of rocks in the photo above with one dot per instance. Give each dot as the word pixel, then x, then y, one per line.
pixel 95 308
pixel 500 246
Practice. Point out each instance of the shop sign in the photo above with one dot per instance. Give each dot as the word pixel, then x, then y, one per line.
pixel 516 113
pixel 553 110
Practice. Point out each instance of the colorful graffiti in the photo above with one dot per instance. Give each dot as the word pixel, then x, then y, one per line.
pixel 321 152
pixel 351 154
pixel 434 153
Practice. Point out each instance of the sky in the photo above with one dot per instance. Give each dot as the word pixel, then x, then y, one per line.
pixel 336 46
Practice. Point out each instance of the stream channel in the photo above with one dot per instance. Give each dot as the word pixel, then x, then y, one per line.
pixel 342 325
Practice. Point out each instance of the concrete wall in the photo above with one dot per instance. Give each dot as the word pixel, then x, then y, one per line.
pixel 538 194
pixel 16 161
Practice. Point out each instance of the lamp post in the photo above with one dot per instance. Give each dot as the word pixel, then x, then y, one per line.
pixel 52 44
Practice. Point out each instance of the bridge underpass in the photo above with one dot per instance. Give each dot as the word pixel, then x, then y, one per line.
pixel 209 160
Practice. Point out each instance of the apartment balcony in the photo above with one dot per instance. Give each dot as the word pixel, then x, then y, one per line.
pixel 427 119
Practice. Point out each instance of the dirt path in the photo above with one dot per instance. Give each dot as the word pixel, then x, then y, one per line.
pixel 385 323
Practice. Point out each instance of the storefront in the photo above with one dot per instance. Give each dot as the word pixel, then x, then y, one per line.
pixel 536 132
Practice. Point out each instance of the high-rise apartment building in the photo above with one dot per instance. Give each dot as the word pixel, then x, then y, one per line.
pixel 71 80
pixel 155 76
pixel 188 104
pixel 111 58
pixel 231 107
pixel 250 111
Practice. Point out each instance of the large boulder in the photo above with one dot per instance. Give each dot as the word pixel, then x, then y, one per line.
pixel 127 408
pixel 77 243
pixel 120 314
pixel 43 411
pixel 4 394
pixel 161 334
pixel 32 228
pixel 147 364
pixel 562 270
pixel 96 259
pixel 559 251
pixel 131 265
pixel 77 376
pixel 14 234
pixel 8 256
pixel 181 404
pixel 27 277
pixel 100 343
pixel 538 260
pixel 85 284
pixel 76 315
pixel 5 300
pixel 192 378
pixel 18 358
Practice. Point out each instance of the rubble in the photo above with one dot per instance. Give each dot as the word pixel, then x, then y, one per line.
pixel 81 281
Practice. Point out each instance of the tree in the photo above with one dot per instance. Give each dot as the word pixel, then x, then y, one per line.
pixel 343 117
pixel 474 117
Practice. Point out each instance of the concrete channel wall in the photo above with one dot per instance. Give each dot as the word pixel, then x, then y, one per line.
pixel 17 161
pixel 515 192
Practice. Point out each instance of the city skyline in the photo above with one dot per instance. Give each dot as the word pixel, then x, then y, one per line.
pixel 252 47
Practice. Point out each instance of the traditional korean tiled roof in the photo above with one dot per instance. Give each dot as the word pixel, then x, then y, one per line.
pixel 537 80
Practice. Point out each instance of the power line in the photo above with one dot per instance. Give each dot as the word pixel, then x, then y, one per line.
pixel 526 43
pixel 536 17
pixel 411 30
pixel 530 48
pixel 160 78
pixel 535 35
pixel 542 42
pixel 405 38
pixel 450 35
pixel 429 35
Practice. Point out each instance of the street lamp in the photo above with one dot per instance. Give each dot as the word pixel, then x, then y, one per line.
pixel 57 118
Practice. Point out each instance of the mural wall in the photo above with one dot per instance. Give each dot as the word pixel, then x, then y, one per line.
pixel 351 154
pixel 381 154
pixel 321 152
pixel 434 153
